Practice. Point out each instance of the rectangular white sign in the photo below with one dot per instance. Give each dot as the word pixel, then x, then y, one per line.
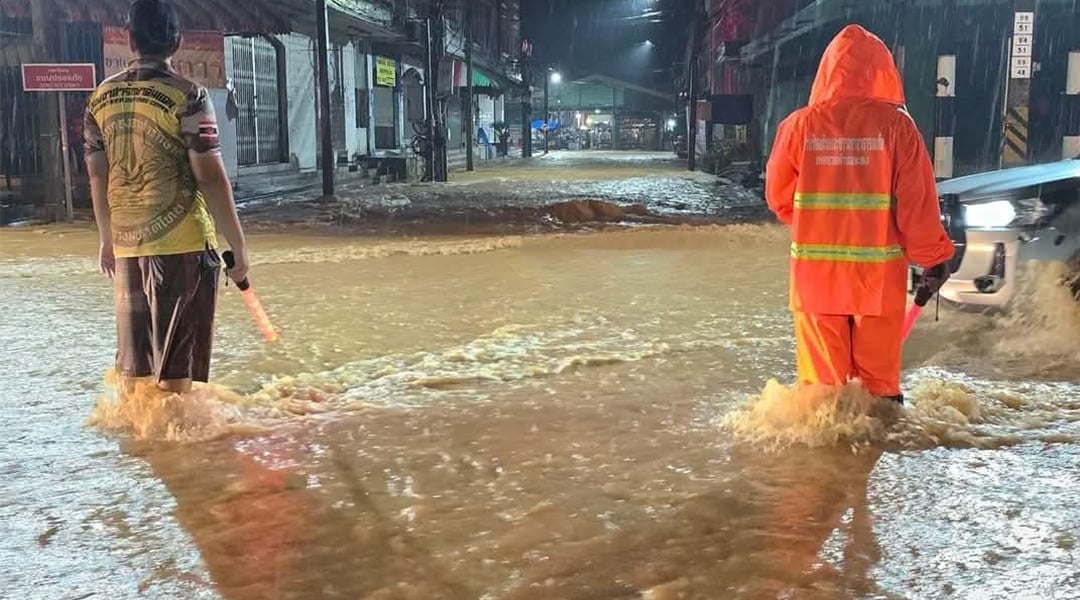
pixel 1021 67
pixel 1024 23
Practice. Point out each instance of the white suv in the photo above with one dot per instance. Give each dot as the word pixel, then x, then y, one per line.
pixel 1000 220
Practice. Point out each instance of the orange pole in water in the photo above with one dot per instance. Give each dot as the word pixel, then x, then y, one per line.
pixel 909 321
pixel 922 297
pixel 259 314
pixel 252 302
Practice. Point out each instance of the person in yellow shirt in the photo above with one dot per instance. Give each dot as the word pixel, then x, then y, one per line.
pixel 159 185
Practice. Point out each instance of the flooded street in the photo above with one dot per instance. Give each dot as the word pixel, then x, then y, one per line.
pixel 573 416
pixel 512 196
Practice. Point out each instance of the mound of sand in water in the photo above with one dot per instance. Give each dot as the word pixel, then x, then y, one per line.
pixel 588 210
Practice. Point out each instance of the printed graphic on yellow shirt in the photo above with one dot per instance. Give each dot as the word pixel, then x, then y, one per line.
pixel 146 120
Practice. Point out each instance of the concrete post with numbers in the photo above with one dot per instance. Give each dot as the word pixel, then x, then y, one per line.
pixel 1016 129
pixel 1070 146
pixel 945 116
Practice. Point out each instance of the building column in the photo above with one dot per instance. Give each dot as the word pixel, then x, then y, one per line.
pixel 369 70
pixel 945 116
pixel 348 84
pixel 1071 142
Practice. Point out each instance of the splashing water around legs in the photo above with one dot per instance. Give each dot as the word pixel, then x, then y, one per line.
pixel 138 407
pixel 814 416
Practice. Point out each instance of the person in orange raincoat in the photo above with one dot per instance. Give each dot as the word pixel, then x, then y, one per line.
pixel 850 175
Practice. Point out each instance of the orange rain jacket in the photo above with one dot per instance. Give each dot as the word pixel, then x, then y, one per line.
pixel 851 176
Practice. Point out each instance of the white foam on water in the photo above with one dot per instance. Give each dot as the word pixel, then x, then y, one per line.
pixel 67 265
pixel 410 247
pixel 941 411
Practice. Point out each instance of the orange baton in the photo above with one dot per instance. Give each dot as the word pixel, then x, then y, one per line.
pixel 252 302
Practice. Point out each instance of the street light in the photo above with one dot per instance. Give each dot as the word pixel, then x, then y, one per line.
pixel 556 77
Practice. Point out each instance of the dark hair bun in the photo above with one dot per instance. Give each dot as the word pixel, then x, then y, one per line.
pixel 155 27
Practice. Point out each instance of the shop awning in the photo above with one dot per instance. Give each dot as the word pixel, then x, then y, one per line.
pixel 483 81
pixel 479 79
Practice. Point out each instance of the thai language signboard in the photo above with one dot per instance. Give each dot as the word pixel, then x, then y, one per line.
pixel 385 71
pixel 58 77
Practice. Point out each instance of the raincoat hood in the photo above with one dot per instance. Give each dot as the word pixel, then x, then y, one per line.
pixel 857 64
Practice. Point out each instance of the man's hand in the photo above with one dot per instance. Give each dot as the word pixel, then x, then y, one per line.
pixel 107 260
pixel 239 270
pixel 932 280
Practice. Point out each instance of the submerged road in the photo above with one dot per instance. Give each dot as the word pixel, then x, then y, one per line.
pixel 586 415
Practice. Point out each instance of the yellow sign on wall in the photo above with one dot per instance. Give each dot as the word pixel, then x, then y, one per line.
pixel 385 71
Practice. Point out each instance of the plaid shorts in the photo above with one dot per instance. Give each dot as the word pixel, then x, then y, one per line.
pixel 165 315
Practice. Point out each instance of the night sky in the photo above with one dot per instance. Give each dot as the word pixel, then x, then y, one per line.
pixel 582 37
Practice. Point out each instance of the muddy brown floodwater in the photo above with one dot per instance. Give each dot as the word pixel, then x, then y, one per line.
pixel 586 416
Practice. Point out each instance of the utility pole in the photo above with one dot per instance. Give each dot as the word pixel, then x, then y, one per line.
pixel 526 98
pixel 325 130
pixel 434 48
pixel 1014 148
pixel 470 99
pixel 49 115
pixel 691 101
pixel 429 103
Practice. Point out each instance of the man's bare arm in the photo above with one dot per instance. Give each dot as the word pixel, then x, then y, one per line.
pixel 97 166
pixel 214 184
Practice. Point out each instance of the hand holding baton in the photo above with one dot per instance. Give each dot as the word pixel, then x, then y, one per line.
pixel 933 279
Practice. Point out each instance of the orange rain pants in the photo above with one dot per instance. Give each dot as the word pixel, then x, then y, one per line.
pixel 835 349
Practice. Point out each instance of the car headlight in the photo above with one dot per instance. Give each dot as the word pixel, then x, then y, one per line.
pixel 990 214
pixel 1027 212
pixel 1031 211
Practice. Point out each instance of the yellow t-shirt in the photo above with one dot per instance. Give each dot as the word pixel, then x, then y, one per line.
pixel 146 120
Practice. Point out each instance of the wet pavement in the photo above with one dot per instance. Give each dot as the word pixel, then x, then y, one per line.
pixel 579 415
pixel 517 195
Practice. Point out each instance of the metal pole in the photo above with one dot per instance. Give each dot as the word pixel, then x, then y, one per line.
pixel 547 113
pixel 470 99
pixel 691 119
pixel 430 94
pixel 45 50
pixel 67 163
pixel 325 130
pixel 691 110
pixel 255 105
pixel 614 117
pixel 526 98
